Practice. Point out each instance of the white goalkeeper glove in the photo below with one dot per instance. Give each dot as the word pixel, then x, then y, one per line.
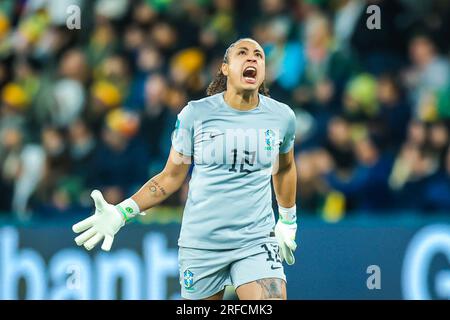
pixel 285 231
pixel 104 223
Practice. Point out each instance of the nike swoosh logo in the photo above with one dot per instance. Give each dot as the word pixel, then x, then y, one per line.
pixel 274 268
pixel 212 136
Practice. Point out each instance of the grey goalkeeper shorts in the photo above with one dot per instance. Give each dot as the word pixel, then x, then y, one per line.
pixel 204 273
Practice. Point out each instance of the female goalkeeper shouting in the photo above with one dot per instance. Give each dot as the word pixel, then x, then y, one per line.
pixel 238 139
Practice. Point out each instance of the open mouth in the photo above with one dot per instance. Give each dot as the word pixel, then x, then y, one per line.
pixel 250 75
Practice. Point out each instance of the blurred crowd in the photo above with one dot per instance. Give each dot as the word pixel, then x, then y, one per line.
pixel 95 107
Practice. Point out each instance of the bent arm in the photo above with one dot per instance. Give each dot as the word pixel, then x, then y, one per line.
pixel 285 180
pixel 161 186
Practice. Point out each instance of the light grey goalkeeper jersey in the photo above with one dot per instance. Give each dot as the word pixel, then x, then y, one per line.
pixel 229 204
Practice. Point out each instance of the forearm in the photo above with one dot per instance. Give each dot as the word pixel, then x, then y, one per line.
pixel 156 190
pixel 285 185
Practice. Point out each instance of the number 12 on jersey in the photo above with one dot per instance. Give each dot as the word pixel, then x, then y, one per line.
pixel 248 159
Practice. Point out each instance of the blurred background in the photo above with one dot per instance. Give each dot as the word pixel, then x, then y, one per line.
pixel 94 107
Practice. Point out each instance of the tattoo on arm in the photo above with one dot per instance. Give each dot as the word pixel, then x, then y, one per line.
pixel 156 190
pixel 271 288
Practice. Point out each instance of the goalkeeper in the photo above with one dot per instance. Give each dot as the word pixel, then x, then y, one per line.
pixel 238 139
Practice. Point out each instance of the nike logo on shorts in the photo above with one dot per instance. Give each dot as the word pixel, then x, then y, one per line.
pixel 274 268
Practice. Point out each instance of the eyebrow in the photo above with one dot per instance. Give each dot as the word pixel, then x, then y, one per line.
pixel 256 50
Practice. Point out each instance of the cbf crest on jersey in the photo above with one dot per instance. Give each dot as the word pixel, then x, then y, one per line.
pixel 188 279
pixel 270 139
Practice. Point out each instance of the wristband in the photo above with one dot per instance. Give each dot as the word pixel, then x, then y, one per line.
pixel 128 208
pixel 288 215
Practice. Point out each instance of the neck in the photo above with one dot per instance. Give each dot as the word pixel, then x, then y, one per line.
pixel 245 100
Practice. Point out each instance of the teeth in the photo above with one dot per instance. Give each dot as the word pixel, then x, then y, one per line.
pixel 250 68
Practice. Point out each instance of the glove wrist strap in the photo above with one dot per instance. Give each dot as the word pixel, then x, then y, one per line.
pixel 288 215
pixel 128 208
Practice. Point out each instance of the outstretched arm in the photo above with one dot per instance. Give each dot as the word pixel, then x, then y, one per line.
pixel 161 186
pixel 108 219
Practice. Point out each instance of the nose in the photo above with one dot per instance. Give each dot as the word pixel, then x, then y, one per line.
pixel 251 59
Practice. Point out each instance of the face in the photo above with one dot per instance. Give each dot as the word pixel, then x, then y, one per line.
pixel 339 132
pixel 438 136
pixel 246 68
pixel 365 151
pixel 421 50
pixel 417 133
pixel 387 92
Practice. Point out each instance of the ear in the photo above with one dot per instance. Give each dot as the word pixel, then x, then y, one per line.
pixel 224 69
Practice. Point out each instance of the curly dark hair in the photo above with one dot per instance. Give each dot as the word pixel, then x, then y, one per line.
pixel 219 83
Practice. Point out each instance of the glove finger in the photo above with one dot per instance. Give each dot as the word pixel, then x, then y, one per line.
pixel 289 241
pixel 99 201
pixel 288 255
pixel 290 259
pixel 83 225
pixel 93 241
pixel 82 238
pixel 291 244
pixel 107 243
